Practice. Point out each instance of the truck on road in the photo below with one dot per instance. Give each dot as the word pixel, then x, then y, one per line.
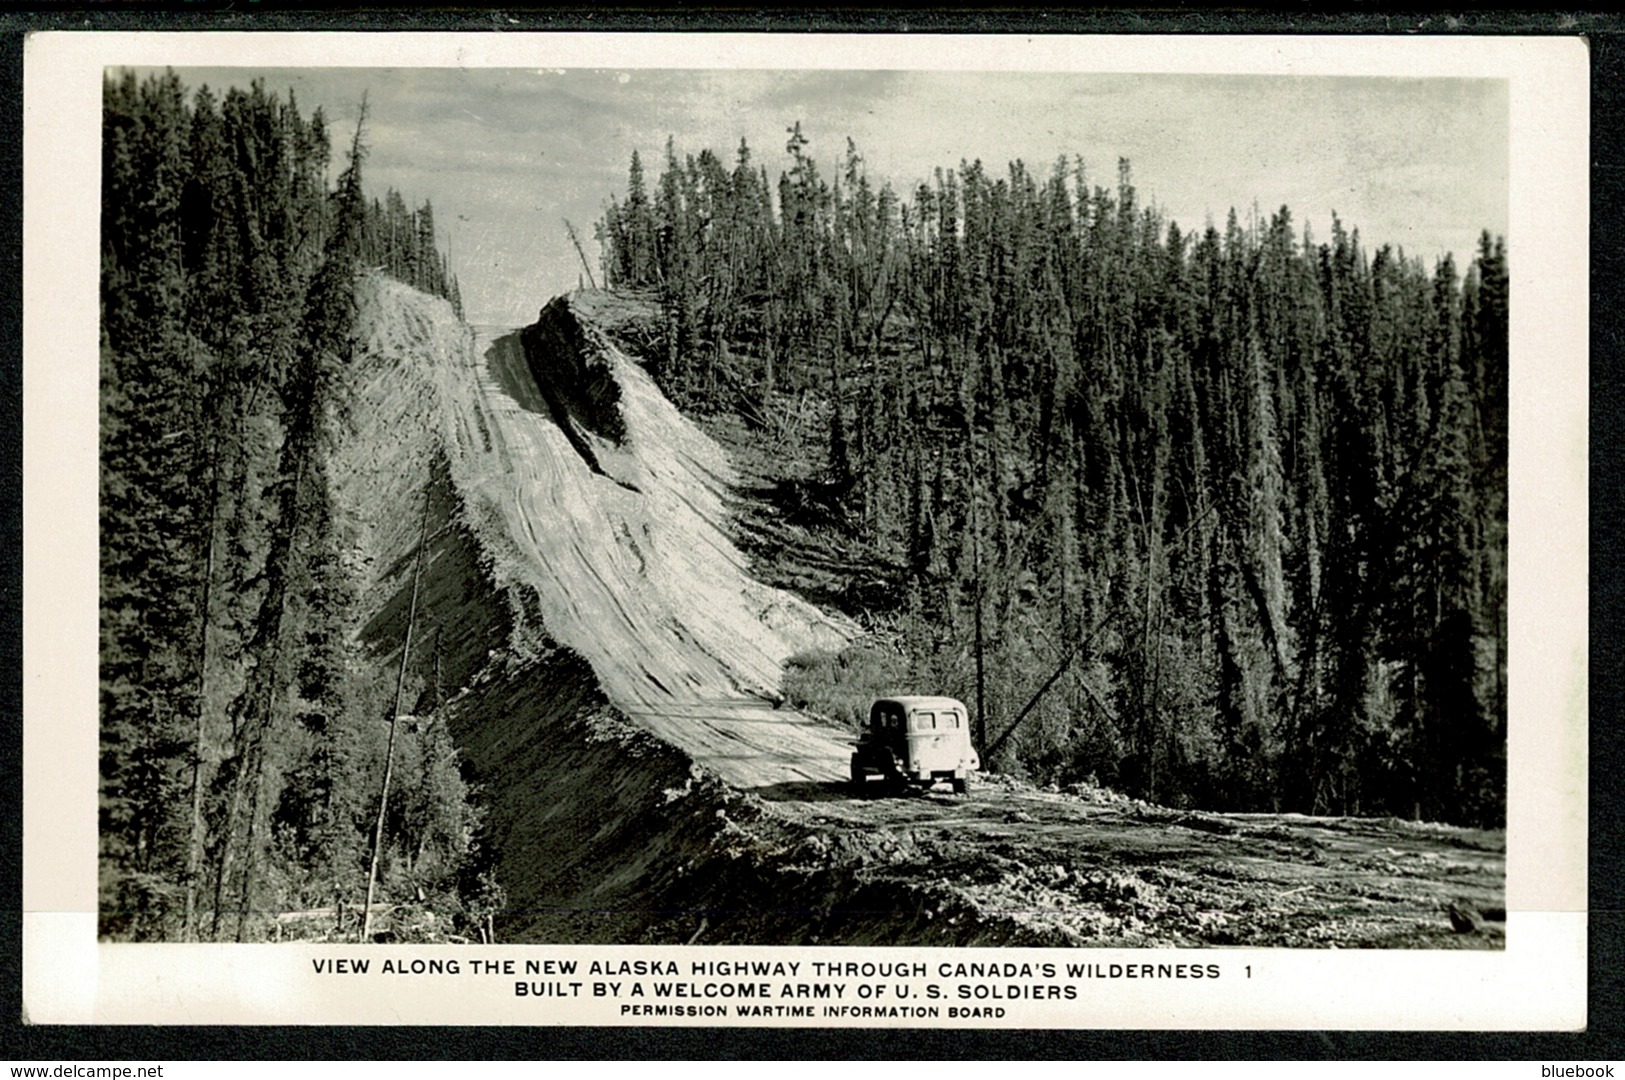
pixel 914 741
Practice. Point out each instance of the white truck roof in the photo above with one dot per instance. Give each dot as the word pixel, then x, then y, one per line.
pixel 916 702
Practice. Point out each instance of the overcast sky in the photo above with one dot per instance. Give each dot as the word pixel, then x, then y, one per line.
pixel 506 155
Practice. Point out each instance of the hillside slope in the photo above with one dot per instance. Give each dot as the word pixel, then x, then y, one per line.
pixel 612 669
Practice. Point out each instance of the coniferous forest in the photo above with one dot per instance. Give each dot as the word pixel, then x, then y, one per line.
pixel 1216 518
pixel 242 741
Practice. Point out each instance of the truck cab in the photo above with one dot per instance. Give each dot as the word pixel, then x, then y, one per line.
pixel 915 741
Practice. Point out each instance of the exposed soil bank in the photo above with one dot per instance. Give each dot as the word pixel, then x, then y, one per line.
pixel 577 574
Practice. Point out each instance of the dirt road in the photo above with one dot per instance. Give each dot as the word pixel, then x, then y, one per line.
pixel 1011 864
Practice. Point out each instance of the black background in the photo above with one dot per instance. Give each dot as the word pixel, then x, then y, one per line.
pixel 1605 35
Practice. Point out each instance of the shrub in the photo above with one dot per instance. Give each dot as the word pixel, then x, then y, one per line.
pixel 842 685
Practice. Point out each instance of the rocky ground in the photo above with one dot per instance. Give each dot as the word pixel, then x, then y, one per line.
pixel 1012 864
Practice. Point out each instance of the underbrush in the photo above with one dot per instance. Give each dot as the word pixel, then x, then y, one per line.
pixel 841 685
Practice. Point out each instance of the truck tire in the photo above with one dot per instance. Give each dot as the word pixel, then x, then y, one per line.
pixel 860 778
pixel 962 786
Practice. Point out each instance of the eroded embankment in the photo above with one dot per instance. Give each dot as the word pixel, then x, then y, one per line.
pixel 578 597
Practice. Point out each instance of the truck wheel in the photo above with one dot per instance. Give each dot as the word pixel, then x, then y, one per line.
pixel 962 786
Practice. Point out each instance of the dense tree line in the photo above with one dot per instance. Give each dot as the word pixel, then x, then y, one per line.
pixel 402 243
pixel 241 726
pixel 1238 496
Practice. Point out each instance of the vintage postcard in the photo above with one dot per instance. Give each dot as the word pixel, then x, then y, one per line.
pixel 806 530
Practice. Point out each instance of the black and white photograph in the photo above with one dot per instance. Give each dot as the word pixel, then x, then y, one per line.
pixel 992 527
